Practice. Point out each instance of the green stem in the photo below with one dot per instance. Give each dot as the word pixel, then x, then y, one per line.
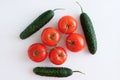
pixel 80 6
pixel 36 53
pixel 79 72
pixel 58 9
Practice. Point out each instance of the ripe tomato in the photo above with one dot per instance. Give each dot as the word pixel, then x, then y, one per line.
pixel 37 52
pixel 75 42
pixel 58 55
pixel 67 24
pixel 50 36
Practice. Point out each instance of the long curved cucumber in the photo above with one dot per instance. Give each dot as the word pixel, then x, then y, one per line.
pixel 54 71
pixel 89 32
pixel 37 24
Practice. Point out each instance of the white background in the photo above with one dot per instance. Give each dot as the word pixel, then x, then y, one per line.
pixel 15 15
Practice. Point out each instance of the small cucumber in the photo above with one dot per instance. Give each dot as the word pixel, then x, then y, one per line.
pixel 89 32
pixel 38 23
pixel 54 71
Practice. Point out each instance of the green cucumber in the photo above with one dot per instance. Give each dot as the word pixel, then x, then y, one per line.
pixel 54 71
pixel 38 23
pixel 89 32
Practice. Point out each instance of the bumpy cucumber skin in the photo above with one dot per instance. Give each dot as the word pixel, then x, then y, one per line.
pixel 37 24
pixel 89 32
pixel 53 71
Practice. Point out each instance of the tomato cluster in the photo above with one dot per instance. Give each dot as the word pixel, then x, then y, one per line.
pixel 51 36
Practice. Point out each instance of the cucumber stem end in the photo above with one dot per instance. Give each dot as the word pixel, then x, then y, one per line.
pixel 58 9
pixel 79 72
pixel 79 6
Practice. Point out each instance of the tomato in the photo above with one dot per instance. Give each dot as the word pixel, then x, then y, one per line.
pixel 67 24
pixel 58 55
pixel 50 36
pixel 75 42
pixel 37 52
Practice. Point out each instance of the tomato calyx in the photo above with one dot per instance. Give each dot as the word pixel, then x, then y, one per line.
pixel 35 53
pixel 52 36
pixel 59 55
pixel 67 26
pixel 71 42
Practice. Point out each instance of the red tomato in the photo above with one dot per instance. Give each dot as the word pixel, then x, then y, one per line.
pixel 58 55
pixel 67 24
pixel 37 52
pixel 50 36
pixel 75 42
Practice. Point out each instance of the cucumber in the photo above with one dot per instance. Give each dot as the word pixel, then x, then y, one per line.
pixel 38 23
pixel 54 71
pixel 89 32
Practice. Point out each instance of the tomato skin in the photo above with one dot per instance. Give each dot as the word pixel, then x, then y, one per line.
pixel 37 52
pixel 75 42
pixel 67 24
pixel 58 55
pixel 50 36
